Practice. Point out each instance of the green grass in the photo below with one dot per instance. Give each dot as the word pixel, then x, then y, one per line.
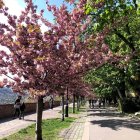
pixel 71 111
pixel 50 130
pixel 82 109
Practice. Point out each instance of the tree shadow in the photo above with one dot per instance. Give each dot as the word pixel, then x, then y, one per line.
pixel 113 119
pixel 6 120
pixel 11 118
pixel 96 109
pixel 113 109
pixel 116 124
pixel 29 120
pixel 107 114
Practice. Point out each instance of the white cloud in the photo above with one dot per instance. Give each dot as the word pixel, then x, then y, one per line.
pixel 43 27
pixel 2 48
pixel 14 9
pixel 14 6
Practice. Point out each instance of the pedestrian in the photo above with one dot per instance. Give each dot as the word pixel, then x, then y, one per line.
pixel 22 109
pixel 90 103
pixel 17 107
pixel 103 101
pixel 51 102
pixel 100 101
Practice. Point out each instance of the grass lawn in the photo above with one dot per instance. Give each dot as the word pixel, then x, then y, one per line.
pixel 82 109
pixel 71 111
pixel 50 130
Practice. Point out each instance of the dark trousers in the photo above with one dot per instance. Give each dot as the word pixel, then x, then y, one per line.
pixel 21 114
pixel 17 112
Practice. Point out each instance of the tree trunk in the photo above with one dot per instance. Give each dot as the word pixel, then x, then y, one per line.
pixel 77 103
pixel 73 103
pixel 123 89
pixel 119 93
pixel 39 110
pixel 62 107
pixel 67 105
pixel 80 101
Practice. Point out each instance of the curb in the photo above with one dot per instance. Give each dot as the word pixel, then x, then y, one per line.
pixel 86 130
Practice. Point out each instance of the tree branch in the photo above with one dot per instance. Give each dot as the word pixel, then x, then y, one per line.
pixel 130 37
pixel 125 40
pixel 9 77
pixel 136 6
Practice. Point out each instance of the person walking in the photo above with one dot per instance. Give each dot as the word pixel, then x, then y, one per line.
pixel 90 102
pixel 17 107
pixel 51 102
pixel 22 109
pixel 100 101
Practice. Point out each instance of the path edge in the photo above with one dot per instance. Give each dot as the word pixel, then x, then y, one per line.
pixel 86 129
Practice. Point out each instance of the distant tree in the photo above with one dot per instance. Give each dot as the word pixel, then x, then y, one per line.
pixel 121 21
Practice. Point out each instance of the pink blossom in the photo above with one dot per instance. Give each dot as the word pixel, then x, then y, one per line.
pixel 49 8
pixel 40 68
pixel 5 81
pixel 1 84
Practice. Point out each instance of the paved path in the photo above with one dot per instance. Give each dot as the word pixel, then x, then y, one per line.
pixel 74 132
pixel 96 124
pixel 110 125
pixel 11 126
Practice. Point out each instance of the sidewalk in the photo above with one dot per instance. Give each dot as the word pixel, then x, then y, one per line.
pixel 10 126
pixel 74 132
pixel 108 124
pixel 94 124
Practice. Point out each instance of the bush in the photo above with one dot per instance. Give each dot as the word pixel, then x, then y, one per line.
pixel 129 105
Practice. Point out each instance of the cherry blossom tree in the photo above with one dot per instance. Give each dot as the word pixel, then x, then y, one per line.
pixel 43 61
pixel 76 48
pixel 79 89
pixel 31 55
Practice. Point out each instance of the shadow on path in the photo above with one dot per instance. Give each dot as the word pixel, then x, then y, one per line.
pixel 113 119
pixel 107 114
pixel 29 120
pixel 115 124
pixel 3 120
pixel 6 120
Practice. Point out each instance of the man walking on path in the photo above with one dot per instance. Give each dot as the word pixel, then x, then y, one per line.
pixel 17 107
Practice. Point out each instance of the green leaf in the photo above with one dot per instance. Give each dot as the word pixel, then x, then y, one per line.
pixel 106 11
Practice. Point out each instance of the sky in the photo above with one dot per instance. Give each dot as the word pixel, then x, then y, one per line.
pixel 17 5
pixel 15 8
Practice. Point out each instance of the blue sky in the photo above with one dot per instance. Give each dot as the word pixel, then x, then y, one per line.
pixel 42 5
pixel 15 8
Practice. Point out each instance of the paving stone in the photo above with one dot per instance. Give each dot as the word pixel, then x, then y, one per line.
pixel 75 132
